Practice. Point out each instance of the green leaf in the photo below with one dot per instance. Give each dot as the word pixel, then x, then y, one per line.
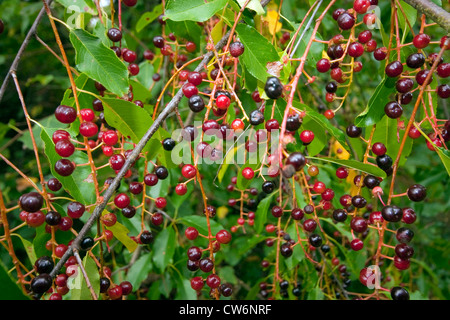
pixel 364 167
pixel 10 290
pixel 199 222
pixel 28 248
pixel 411 16
pixel 194 10
pixel 99 62
pixel 258 52
pixel 131 120
pixel 79 289
pixel 261 213
pixel 139 270
pixel 374 111
pixel 78 5
pixel 188 30
pixel 148 17
pixel 164 248
pixel 254 5
pixel 320 138
pixel 80 184
pixel 445 158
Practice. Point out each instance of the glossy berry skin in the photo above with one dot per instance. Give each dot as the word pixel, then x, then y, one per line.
pixel 421 77
pixel 399 294
pixel 340 215
pixel 355 49
pixel 353 131
pixel 86 243
pixel 384 162
pixel 223 102
pixel 168 144
pixel 53 218
pixel 297 160
pixel 64 148
pixel 64 167
pixel 41 283
pixel 268 187
pixel 195 78
pixel 404 85
pixel 416 193
pixel 345 21
pixel 110 137
pixel 421 40
pixel 194 253
pixel 122 200
pixel 196 103
pixel 394 69
pixel 65 114
pixel 404 235
pixel 161 172
pixel 248 173
pixel 188 171
pixel 358 224
pixel 393 110
pixel 380 53
pixel 379 149
pixel 415 60
pixel 256 117
pixel 146 237
pixel 44 265
pixel 236 49
pixel 223 237
pixel 323 65
pixel 361 6
pixel 191 233
pixel 315 240
pixel 392 213
pixel 356 244
pixel 197 283
pixel 189 90
pixel 31 202
pixel 273 88
pixel 88 129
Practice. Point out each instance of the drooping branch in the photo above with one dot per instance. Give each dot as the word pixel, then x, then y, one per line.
pixel 433 12
pixel 169 108
pixel 24 45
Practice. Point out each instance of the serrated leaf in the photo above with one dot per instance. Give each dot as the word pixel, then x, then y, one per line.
pixel 139 271
pixel 199 222
pixel 148 17
pixel 364 167
pixel 99 62
pixel 194 10
pixel 28 248
pixel 258 51
pixel 164 248
pixel 261 213
pixel 80 184
pixel 374 111
pixel 78 285
pixel 445 158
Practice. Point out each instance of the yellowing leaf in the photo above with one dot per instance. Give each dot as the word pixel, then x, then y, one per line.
pixel 121 233
pixel 340 151
pixel 222 212
pixel 272 20
pixel 217 31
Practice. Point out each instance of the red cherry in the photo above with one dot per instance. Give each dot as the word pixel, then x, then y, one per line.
pixel 189 171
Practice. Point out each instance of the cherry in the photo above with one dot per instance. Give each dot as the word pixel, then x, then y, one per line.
pixel 416 192
pixel 31 202
pixel 345 21
pixel 421 77
pixel 158 41
pixel 53 218
pixel 315 240
pixel 359 201
pixel 273 88
pixel 64 148
pixel 268 187
pixel 361 6
pixel 340 215
pixel 65 114
pixel 286 250
pixel 415 60
pixel 44 265
pixel 355 49
pixel 191 46
pixel 323 65
pixel 41 283
pixel 161 172
pixel 86 243
pixel 401 264
pixel 206 265
pixel 88 129
pixel 129 212
pixel 115 293
pixel 353 131
pixel 393 110
pixel 196 103
pixel 194 253
pixel 65 224
pixel 394 69
pixel 54 184
pixel 309 225
pixel 421 40
pixel 129 55
pixel 331 87
pixel 168 144
pixel 297 160
pixel 364 36
pixel 336 74
pixel 121 200
pixel 223 102
pixel 248 173
pixel 189 90
pixel 191 233
pixel 392 213
pixel 404 85
pixel 358 224
pixel 223 236
pixel 195 78
pixel 197 283
pixel 2 26
pixel 371 181
pixel 256 117
pixel 443 70
pixel 236 49
pixel 370 46
pixel 443 91
pixel 337 12
pixel 356 244
pixel 133 68
pixel 148 54
pixel 380 53
pixel 399 293
pixel 64 167
pixel 146 237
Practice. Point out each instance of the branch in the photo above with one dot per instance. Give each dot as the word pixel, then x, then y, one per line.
pixel 432 11
pixel 170 107
pixel 24 45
